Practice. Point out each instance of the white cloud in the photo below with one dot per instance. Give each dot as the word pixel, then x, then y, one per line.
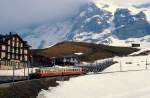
pixel 19 13
pixel 22 13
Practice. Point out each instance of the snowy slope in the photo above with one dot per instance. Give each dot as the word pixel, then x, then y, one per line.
pixel 117 85
pixel 114 41
pixel 132 84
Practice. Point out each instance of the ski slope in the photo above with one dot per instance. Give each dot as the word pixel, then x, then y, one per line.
pixel 132 84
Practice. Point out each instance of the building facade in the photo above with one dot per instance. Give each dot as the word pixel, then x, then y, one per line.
pixel 65 60
pixel 41 61
pixel 13 52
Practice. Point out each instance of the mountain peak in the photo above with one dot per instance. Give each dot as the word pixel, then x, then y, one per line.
pixel 96 22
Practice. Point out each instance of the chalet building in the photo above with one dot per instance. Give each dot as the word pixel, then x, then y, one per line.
pixel 66 60
pixel 13 51
pixel 41 61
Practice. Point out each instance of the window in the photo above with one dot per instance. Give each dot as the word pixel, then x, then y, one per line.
pixel 12 56
pixel 21 51
pixel 13 38
pixel 20 57
pixel 26 58
pixel 13 44
pixel 25 51
pixel 16 56
pixel 8 56
pixel 17 44
pixel 3 54
pixel 8 42
pixel 8 48
pixel 3 47
pixel 13 50
pixel 17 50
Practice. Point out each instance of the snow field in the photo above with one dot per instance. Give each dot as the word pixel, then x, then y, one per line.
pixel 132 84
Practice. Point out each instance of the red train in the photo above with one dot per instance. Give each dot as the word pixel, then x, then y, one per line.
pixel 57 71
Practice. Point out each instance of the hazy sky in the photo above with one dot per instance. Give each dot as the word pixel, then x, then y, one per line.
pixel 21 13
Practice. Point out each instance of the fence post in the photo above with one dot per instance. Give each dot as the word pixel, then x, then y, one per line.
pixel 0 63
pixel 13 72
pixel 28 69
pixel 24 69
pixel 146 64
pixel 120 66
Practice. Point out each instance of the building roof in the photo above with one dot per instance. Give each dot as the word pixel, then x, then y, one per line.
pixel 4 38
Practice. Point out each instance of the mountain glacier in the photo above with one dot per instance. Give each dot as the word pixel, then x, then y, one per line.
pixel 98 23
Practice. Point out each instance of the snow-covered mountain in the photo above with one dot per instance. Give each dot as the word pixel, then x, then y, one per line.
pixel 98 22
pixel 48 34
